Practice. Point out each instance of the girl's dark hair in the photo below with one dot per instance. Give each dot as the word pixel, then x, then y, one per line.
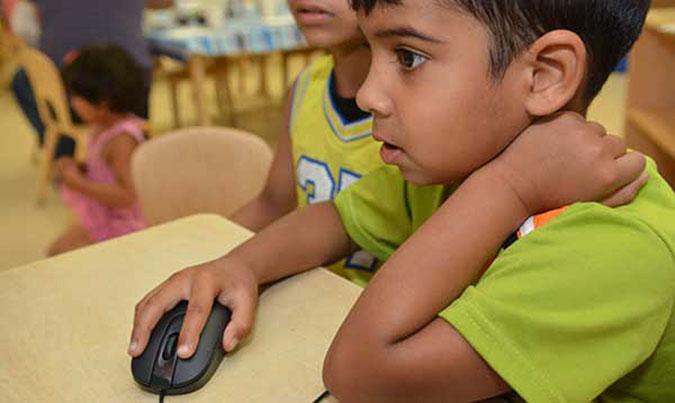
pixel 106 72
pixel 608 28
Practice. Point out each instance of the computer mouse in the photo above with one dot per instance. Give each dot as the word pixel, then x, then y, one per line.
pixel 160 370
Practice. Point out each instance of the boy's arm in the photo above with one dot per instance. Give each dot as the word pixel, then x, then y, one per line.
pixel 297 242
pixel 118 155
pixel 278 197
pixel 404 352
pixel 402 349
pixel 307 238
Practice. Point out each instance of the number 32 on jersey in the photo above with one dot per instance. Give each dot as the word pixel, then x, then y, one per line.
pixel 317 181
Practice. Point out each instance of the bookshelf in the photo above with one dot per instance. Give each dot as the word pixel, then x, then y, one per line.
pixel 663 3
pixel 650 125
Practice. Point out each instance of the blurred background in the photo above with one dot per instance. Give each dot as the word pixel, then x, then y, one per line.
pixel 230 63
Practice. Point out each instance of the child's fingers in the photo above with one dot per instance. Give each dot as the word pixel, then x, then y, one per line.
pixel 616 145
pixel 242 303
pixel 596 128
pixel 627 193
pixel 629 167
pixel 198 310
pixel 152 292
pixel 148 312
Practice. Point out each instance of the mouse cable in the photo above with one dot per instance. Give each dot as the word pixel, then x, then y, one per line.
pixel 322 396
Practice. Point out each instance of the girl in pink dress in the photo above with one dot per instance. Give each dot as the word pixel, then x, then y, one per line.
pixel 105 84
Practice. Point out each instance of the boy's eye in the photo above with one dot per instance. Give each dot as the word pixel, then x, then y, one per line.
pixel 408 59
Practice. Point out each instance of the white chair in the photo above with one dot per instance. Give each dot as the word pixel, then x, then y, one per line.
pixel 199 170
pixel 54 110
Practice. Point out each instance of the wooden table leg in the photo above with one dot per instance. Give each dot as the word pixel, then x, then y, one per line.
pixel 285 56
pixel 242 68
pixel 197 74
pixel 223 90
pixel 173 87
pixel 264 82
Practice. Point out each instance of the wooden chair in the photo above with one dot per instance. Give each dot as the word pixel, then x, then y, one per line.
pixel 199 170
pixel 54 110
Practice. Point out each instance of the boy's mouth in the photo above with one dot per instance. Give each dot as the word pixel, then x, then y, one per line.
pixel 309 13
pixel 390 153
pixel 311 10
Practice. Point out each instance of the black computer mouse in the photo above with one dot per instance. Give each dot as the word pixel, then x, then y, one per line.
pixel 160 370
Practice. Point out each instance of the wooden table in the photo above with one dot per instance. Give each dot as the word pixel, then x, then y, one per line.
pixel 217 48
pixel 66 322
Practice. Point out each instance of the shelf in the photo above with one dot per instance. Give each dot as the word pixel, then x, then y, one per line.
pixel 663 3
pixel 662 20
pixel 658 127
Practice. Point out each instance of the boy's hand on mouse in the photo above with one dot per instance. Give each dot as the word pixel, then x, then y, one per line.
pixel 232 284
pixel 564 159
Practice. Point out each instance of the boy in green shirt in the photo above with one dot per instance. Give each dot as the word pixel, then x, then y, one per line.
pixel 466 94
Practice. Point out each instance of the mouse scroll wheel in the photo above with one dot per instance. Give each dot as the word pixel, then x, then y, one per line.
pixel 170 346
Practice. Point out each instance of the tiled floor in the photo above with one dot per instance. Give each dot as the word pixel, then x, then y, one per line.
pixel 26 229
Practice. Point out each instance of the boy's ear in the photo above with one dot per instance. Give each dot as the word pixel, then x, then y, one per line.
pixel 558 69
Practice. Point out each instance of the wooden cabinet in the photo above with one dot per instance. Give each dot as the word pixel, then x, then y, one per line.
pixel 663 3
pixel 650 125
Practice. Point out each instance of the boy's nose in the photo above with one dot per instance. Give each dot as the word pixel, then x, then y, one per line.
pixel 372 96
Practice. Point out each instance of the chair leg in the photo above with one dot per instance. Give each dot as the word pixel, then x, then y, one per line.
pixel 264 88
pixel 285 60
pixel 242 69
pixel 224 91
pixel 197 75
pixel 220 81
pixel 173 87
pixel 51 136
pixel 35 155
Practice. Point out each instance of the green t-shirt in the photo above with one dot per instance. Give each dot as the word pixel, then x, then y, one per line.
pixel 579 309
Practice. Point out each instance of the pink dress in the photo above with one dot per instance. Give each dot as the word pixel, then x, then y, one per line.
pixel 99 220
pixel 7 9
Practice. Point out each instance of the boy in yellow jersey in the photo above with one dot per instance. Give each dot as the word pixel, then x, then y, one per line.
pixel 326 144
pixel 466 97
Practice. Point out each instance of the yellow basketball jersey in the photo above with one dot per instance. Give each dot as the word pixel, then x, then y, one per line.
pixel 329 153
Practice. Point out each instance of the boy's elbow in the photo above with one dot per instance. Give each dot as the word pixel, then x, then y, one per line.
pixel 355 374
pixel 341 376
pixel 336 373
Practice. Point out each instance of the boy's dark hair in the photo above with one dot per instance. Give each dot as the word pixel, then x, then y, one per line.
pixel 106 72
pixel 608 28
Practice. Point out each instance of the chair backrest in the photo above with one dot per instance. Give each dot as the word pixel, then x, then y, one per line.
pixel 199 170
pixel 47 84
pixel 9 47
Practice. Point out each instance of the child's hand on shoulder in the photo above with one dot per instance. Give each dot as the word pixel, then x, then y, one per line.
pixel 564 159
